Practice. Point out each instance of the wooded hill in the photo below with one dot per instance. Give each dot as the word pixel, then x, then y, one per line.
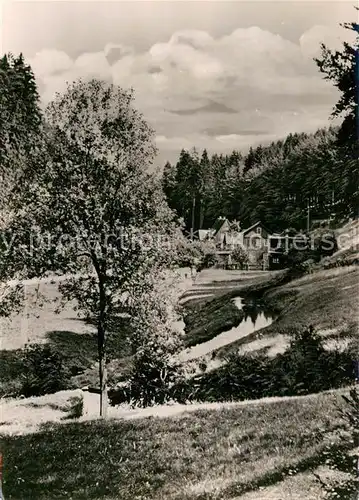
pixel 276 182
pixel 273 184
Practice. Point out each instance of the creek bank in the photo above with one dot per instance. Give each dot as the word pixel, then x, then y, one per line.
pixel 252 317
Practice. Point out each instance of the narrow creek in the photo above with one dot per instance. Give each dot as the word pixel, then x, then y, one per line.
pixel 255 318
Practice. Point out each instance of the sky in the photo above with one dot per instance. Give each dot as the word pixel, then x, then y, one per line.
pixel 211 74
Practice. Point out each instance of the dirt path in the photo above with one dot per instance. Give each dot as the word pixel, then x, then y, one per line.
pixel 25 416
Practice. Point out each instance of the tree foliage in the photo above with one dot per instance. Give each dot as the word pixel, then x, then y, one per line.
pixel 155 344
pixel 240 257
pixel 275 186
pixel 340 67
pixel 90 210
pixel 20 119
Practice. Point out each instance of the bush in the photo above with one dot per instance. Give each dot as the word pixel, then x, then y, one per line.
pixel 240 257
pixel 198 254
pixel 325 242
pixel 44 371
pixel 304 368
pixel 188 253
pixel 151 381
pixel 209 259
pixel 155 344
pixel 299 259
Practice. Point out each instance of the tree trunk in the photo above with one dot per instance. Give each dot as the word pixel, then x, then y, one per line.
pixel 103 383
pixel 193 209
pixel 102 365
pixel 201 215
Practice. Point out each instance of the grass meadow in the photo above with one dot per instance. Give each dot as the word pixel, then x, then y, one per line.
pixel 205 455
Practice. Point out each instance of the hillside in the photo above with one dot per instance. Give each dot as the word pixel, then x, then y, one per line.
pixel 235 451
pixel 326 299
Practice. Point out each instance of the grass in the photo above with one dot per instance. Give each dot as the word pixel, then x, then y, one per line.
pixel 207 318
pixel 10 371
pixel 79 354
pixel 206 455
pixel 246 283
pixel 326 299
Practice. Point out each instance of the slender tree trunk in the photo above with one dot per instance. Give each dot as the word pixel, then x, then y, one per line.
pixel 101 342
pixel 103 384
pixel 102 371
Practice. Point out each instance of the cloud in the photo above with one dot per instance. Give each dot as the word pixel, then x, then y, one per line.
pixel 224 92
pixel 211 107
pixel 332 36
pixel 48 62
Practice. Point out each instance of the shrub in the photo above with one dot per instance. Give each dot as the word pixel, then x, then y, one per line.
pixel 209 259
pixel 155 344
pixel 44 371
pixel 198 254
pixel 300 366
pixel 240 257
pixel 298 259
pixel 152 379
pixel 188 253
pixel 305 367
pixel 325 242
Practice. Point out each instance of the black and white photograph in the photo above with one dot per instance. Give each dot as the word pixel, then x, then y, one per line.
pixel 179 250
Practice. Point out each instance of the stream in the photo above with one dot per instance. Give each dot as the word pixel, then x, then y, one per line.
pixel 255 318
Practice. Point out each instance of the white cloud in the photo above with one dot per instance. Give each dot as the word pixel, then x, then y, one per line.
pixel 271 83
pixel 47 62
pixel 93 64
pixel 311 40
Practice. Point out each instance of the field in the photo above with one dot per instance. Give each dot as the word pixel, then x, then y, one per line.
pixel 247 451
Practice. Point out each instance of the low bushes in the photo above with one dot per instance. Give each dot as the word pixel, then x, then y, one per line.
pixel 36 370
pixel 44 371
pixel 75 408
pixel 306 367
pixel 200 254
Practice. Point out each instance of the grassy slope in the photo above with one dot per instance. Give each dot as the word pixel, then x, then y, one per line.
pixel 206 318
pixel 218 454
pixel 79 352
pixel 326 299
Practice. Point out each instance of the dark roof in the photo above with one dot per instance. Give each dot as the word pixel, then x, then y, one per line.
pixel 253 226
pixel 218 224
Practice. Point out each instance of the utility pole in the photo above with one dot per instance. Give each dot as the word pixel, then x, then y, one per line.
pixel 308 215
pixel 193 208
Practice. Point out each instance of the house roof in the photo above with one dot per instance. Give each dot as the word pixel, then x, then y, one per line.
pixel 218 224
pixel 254 226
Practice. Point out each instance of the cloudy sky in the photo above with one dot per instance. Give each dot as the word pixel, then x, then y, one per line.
pixel 212 74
